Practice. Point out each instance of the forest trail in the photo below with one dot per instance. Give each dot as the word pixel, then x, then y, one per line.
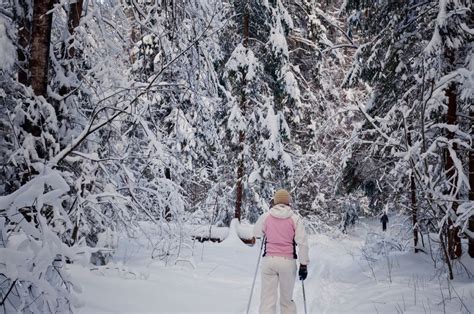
pixel 219 279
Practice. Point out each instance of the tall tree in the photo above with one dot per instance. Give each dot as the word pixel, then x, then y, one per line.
pixel 243 104
pixel 454 241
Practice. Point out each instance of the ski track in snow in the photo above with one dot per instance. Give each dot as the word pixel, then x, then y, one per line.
pixel 325 290
pixel 339 281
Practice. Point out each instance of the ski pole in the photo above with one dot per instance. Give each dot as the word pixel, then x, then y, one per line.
pixel 304 297
pixel 255 275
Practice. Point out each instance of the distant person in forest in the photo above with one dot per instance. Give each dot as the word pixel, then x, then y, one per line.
pixel 282 231
pixel 384 221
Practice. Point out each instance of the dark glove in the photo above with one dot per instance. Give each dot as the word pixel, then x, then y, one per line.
pixel 303 273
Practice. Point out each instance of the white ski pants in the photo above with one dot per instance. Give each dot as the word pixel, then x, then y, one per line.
pixel 278 271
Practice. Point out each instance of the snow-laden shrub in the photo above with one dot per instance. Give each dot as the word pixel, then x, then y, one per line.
pixel 315 224
pixel 350 215
pixel 171 241
pixel 32 256
pixel 377 244
pixel 398 237
pixel 107 242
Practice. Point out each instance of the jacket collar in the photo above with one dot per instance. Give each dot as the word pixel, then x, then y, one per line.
pixel 281 211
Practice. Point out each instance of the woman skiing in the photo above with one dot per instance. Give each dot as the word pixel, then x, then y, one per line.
pixel 282 230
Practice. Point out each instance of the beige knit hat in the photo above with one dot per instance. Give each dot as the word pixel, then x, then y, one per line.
pixel 281 197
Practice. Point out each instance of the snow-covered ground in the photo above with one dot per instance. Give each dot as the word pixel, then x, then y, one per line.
pixel 219 280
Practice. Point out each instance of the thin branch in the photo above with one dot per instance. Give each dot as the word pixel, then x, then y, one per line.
pixel 80 154
pixel 370 120
pixel 349 39
pixel 8 292
pixel 339 47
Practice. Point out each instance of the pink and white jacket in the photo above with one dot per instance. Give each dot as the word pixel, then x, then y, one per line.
pixel 282 229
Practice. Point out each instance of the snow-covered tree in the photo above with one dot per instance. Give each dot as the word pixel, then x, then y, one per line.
pixel 272 81
pixel 416 133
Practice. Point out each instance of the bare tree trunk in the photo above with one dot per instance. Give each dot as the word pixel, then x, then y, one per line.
pixel 414 211
pixel 446 254
pixel 471 184
pixel 414 207
pixel 135 31
pixel 240 176
pixel 246 29
pixel 168 209
pixel 24 59
pixel 454 241
pixel 74 18
pixel 40 45
pixel 38 59
pixel 23 47
pixel 243 100
pixel 24 35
